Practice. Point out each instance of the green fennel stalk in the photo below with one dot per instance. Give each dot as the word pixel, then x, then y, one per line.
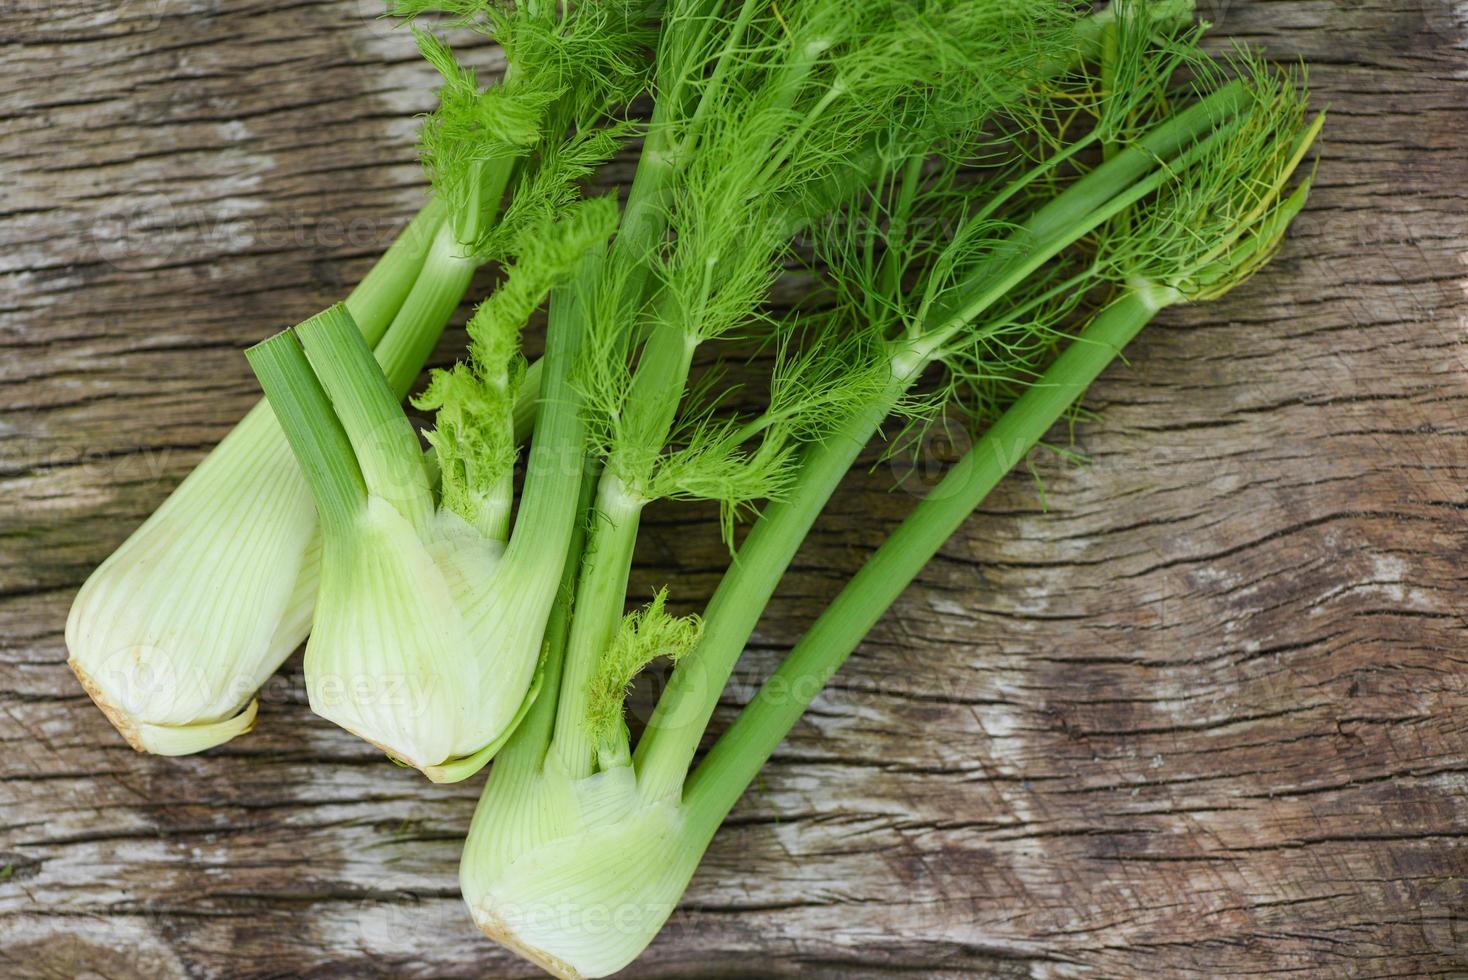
pixel 577 869
pixel 787 99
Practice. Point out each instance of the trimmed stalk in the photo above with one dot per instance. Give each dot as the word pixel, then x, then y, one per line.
pixel 731 765
pixel 311 425
pixel 600 596
pixel 683 712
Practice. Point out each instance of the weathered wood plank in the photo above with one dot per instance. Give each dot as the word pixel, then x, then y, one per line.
pixel 1203 712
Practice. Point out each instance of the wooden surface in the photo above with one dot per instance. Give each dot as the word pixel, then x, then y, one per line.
pixel 1207 715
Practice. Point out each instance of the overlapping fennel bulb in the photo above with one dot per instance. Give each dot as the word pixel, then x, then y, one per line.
pixel 430 614
pixel 174 633
pixel 578 872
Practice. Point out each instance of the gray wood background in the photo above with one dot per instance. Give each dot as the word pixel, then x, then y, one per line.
pixel 1207 714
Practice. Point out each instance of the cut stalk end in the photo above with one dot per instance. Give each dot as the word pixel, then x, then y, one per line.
pixel 167 740
pixel 497 930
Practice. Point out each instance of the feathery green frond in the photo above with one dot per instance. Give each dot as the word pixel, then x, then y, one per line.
pixel 474 127
pixel 715 465
pixel 1222 219
pixel 544 253
pixel 473 439
pixel 552 187
pixel 819 380
pixel 646 634
pixel 821 375
pixel 474 430
pixel 602 372
pixel 601 44
pixel 767 104
pixel 568 67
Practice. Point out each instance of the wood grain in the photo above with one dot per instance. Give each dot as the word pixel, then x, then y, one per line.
pixel 1203 712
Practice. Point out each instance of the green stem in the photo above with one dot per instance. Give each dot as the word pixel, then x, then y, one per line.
pixel 1107 56
pixel 889 276
pixel 644 217
pixel 312 428
pixel 602 583
pixel 527 399
pixel 496 506
pixel 602 592
pixel 601 596
pixel 383 440
pixel 652 400
pixel 415 330
pixel 488 181
pixel 547 518
pixel 668 744
pixel 526 749
pixel 381 293
pixel 731 765
pixel 802 210
pixel 713 89
pixel 1021 256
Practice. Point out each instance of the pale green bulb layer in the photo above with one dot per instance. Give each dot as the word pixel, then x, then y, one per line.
pixel 180 626
pixel 576 875
pixel 174 633
pixel 424 642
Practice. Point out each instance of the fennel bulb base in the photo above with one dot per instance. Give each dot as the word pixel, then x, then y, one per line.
pixel 500 932
pixel 576 875
pixel 165 739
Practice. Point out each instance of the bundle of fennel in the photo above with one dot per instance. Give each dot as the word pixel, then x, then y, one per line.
pixel 1000 194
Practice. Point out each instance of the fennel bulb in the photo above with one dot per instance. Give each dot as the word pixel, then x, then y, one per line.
pixel 177 629
pixel 430 613
pixel 577 875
